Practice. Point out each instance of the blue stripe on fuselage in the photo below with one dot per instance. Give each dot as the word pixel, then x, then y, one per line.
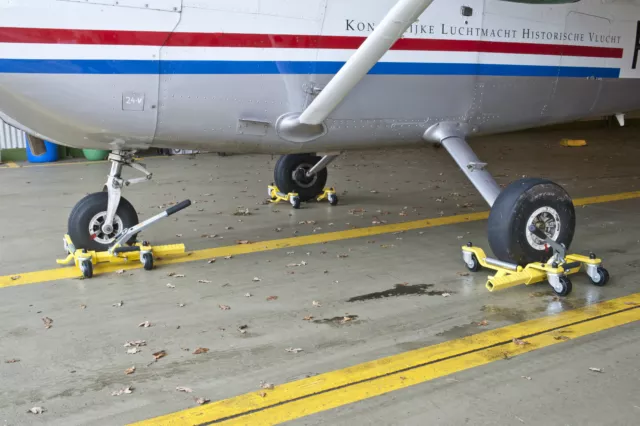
pixel 90 66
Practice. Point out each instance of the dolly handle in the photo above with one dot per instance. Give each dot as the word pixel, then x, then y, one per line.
pixel 537 232
pixel 119 250
pixel 180 206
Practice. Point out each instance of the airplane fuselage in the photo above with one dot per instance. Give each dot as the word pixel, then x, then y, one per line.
pixel 218 74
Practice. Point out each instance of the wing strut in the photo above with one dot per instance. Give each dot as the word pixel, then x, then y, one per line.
pixel 309 125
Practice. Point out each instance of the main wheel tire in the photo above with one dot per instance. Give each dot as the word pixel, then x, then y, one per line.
pixel 86 216
pixel 289 176
pixel 524 202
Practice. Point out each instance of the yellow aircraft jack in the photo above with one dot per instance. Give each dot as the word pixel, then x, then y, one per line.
pixel 294 199
pixel 119 252
pixel 555 270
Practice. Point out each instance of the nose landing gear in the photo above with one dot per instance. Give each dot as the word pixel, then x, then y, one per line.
pixel 302 174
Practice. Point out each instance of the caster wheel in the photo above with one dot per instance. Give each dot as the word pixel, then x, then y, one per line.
pixel 333 200
pixel 295 202
pixel 290 176
pixel 475 266
pixel 528 202
pixel 87 268
pixel 147 261
pixel 603 277
pixel 87 217
pixel 565 287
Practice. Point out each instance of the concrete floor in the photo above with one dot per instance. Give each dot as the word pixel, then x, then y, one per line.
pixel 72 368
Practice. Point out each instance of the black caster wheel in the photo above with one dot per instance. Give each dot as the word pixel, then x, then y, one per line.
pixel 333 200
pixel 87 268
pixel 295 202
pixel 602 277
pixel 527 202
pixel 87 217
pixel 475 266
pixel 290 176
pixel 565 286
pixel 147 261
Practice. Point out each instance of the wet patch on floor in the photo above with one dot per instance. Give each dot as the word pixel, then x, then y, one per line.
pixel 401 290
pixel 339 321
pixel 512 315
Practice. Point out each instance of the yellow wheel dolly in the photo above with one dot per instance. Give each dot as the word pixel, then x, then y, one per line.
pixel 119 252
pixel 294 199
pixel 555 270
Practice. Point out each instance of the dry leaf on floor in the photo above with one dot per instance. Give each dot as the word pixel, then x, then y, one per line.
pixel 173 274
pixel 561 337
pixel 15 277
pixel 270 298
pixel 171 285
pixel 127 390
pixel 463 274
pixel 262 394
pixel 133 351
pixel 202 401
pixel 597 370
pixel 526 377
pixel 243 329
pixel 316 304
pixel 201 351
pixel 130 370
pixel 183 389
pixel 228 257
pixel 243 242
pixel 505 355
pixel 265 385
pixel 483 323
pixel 520 342
pixel 308 318
pixel 159 354
pixel 256 279
pixel 178 235
pixel 446 294
pixel 47 322
pixel 346 319
pixel 342 256
pixel 224 307
pixel 83 306
pixel 36 410
pixel 119 304
pixel 631 303
pixel 120 271
pixel 205 281
pixel 293 350
pixel 211 261
pixel 248 295
pixel 12 361
pixel 135 343
pixel 145 324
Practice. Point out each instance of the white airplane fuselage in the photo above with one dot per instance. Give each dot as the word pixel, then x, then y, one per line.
pixel 218 74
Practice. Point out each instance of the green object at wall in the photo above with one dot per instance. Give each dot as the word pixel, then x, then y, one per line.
pixel 95 154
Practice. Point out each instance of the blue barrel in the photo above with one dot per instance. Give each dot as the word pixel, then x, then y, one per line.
pixel 49 156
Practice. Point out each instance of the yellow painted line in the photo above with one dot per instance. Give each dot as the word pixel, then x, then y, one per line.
pixel 12 165
pixel 341 387
pixel 72 272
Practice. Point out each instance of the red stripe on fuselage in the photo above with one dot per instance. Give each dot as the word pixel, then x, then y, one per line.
pixel 288 41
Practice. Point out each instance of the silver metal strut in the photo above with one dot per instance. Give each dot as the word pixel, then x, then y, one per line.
pixel 115 183
pixel 309 125
pixel 321 165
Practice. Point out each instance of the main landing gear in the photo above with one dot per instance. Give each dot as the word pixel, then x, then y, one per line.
pixel 302 174
pixel 525 202
pixel 98 219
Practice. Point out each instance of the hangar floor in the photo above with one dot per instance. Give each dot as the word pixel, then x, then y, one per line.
pixel 377 294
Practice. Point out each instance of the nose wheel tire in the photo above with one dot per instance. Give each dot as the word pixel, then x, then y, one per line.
pixel 290 176
pixel 86 218
pixel 525 202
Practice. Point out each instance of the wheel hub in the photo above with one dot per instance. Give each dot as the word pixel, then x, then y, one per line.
pixel 101 233
pixel 547 220
pixel 300 177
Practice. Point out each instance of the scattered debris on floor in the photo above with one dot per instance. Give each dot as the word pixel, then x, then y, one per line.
pixel 597 370
pixel 294 350
pixel 130 370
pixel 48 322
pixel 36 410
pixel 201 351
pixel 127 390
pixel 184 389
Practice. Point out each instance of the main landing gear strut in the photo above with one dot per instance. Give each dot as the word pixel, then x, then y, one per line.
pixel 523 203
pixel 99 218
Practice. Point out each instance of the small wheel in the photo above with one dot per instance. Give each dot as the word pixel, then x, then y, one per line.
pixel 87 217
pixel 290 176
pixel 528 202
pixel 603 277
pixel 87 268
pixel 147 261
pixel 295 202
pixel 565 286
pixel 333 200
pixel 475 266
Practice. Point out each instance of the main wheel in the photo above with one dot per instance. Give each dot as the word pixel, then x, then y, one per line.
pixel 87 217
pixel 527 202
pixel 290 176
